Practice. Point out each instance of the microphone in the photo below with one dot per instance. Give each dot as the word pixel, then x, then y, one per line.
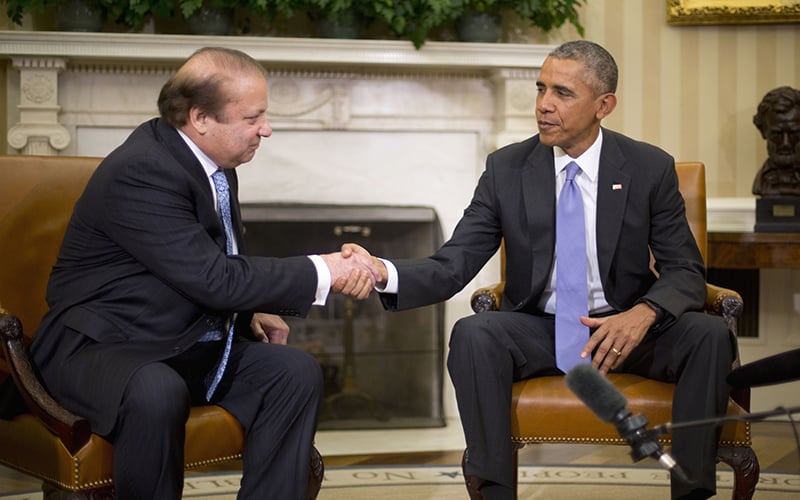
pixel 600 395
pixel 776 369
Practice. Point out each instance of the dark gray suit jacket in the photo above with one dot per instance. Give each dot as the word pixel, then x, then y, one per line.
pixel 639 208
pixel 142 272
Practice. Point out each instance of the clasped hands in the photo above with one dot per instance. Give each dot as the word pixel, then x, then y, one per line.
pixel 354 271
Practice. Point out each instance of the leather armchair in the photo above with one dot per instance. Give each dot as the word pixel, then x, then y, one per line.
pixel 544 410
pixel 47 441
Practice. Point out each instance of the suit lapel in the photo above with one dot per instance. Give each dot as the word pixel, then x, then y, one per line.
pixel 538 179
pixel 170 138
pixel 613 186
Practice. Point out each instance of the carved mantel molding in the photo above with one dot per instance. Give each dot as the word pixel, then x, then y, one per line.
pixel 45 124
pixel 110 47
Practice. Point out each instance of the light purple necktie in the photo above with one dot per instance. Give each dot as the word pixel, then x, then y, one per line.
pixel 571 286
pixel 224 199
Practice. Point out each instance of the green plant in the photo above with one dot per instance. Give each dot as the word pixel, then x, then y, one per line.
pixel 135 13
pixel 131 13
pixel 16 9
pixel 414 19
pixel 543 14
pixel 189 7
pixel 331 9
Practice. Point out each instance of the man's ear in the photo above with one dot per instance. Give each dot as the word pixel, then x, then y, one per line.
pixel 198 120
pixel 608 102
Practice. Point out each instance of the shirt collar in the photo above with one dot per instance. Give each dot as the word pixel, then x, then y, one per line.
pixel 589 161
pixel 209 166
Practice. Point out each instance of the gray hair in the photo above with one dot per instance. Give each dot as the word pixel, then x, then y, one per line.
pixel 601 69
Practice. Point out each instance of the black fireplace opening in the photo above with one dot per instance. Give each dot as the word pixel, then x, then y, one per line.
pixel 381 369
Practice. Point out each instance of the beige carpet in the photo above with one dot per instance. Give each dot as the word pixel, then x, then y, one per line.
pixel 535 482
pixel 445 482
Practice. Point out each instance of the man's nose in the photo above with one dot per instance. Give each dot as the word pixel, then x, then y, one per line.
pixel 543 102
pixel 266 129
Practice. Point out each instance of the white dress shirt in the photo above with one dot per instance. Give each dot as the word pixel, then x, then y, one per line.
pixel 589 163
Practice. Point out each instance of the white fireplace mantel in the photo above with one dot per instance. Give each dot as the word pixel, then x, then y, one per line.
pixel 40 121
pixel 293 51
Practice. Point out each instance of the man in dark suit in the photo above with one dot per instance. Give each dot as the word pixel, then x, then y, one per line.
pixel 641 322
pixel 148 288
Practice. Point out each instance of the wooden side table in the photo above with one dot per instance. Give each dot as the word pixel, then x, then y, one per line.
pixel 735 260
pixel 753 250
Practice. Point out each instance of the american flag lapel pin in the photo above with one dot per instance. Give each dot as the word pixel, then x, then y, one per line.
pixel 616 187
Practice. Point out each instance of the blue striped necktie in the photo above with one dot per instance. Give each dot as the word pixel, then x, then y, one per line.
pixel 571 286
pixel 224 200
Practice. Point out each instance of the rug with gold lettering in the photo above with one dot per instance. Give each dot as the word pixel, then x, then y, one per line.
pixel 445 482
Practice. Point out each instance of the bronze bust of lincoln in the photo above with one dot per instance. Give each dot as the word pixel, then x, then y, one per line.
pixel 778 120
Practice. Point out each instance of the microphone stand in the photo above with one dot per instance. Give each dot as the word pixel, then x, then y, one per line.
pixel 658 430
pixel 749 417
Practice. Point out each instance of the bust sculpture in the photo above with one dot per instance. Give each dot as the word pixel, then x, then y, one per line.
pixel 778 120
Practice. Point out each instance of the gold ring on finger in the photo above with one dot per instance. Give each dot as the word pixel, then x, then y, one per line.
pixel 615 351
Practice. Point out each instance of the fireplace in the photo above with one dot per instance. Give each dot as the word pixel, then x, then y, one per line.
pixel 381 369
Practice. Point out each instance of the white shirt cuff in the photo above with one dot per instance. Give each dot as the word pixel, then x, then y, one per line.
pixel 392 282
pixel 323 280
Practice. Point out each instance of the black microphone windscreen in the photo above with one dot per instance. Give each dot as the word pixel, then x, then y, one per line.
pixel 776 369
pixel 596 392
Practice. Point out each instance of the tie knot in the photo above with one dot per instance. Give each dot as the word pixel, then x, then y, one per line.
pixel 572 170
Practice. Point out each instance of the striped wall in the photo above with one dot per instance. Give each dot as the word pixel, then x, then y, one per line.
pixel 693 90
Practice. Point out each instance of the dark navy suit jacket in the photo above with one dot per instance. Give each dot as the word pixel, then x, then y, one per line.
pixel 639 208
pixel 142 274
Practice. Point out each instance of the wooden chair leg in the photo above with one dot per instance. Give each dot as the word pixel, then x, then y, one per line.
pixel 315 474
pixel 515 466
pixel 472 482
pixel 743 461
pixel 53 492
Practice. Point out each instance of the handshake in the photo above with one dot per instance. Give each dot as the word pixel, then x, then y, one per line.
pixel 354 271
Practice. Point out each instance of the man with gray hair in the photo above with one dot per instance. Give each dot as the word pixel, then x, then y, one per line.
pixel 622 197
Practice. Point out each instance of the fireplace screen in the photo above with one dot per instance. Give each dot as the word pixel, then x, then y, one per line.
pixel 381 369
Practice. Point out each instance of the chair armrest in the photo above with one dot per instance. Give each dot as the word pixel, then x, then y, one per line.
pixel 488 298
pixel 728 304
pixel 720 301
pixel 724 302
pixel 73 430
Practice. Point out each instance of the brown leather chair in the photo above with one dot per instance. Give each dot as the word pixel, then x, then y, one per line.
pixel 544 410
pixel 37 194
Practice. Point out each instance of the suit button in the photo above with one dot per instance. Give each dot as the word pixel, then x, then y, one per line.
pixel 211 321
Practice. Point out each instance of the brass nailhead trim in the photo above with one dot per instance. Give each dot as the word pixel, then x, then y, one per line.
pixel 76 466
pixel 202 463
